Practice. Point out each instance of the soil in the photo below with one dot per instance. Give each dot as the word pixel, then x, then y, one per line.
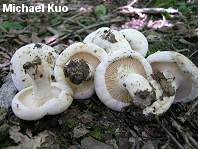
pixel 177 128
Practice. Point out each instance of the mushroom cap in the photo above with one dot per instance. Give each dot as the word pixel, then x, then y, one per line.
pixel 89 52
pixel 110 69
pixel 109 40
pixel 27 53
pixel 136 39
pixel 27 108
pixel 182 68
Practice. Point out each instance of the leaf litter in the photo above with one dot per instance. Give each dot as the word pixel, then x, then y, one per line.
pixel 89 123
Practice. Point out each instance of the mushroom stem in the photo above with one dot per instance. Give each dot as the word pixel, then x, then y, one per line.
pixel 78 71
pixel 39 72
pixel 139 89
pixel 165 84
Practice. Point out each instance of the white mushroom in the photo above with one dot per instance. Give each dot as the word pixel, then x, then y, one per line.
pixel 27 53
pixel 123 77
pixel 109 40
pixel 44 97
pixel 76 65
pixel 136 39
pixel 180 73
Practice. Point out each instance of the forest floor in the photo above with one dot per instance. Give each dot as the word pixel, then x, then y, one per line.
pixel 89 123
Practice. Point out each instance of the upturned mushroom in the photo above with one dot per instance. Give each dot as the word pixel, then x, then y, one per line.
pixel 176 75
pixel 108 39
pixel 27 53
pixel 136 39
pixel 123 77
pixel 44 97
pixel 75 66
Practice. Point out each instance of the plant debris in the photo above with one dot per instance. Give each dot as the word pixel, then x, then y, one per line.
pixel 89 123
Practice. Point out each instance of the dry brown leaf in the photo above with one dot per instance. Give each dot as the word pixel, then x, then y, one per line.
pixel 35 38
pixel 28 141
pixel 24 38
pixel 18 41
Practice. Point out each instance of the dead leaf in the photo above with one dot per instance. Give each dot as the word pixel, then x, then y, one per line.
pixel 18 41
pixel 28 141
pixel 24 38
pixel 35 38
pixel 15 31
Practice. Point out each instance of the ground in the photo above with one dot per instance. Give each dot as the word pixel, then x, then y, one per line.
pixel 89 123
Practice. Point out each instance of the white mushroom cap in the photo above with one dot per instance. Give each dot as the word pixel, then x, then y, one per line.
pixel 28 53
pixel 109 40
pixel 181 70
pixel 136 39
pixel 25 107
pixel 90 53
pixel 44 97
pixel 111 69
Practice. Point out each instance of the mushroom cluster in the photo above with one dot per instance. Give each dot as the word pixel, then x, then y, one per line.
pixel 124 76
pixel 112 40
pixel 111 64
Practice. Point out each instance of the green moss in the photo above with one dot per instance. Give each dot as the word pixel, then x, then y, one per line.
pixel 183 6
pixel 5 144
pixel 167 15
pixel 56 20
pixel 96 133
pixel 7 24
pixel 112 130
pixel 154 48
pixel 164 3
pixel 187 7
pixel 4 139
pixel 100 10
pixel 85 21
pixel 72 125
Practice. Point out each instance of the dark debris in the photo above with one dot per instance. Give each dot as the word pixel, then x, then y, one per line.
pixel 119 130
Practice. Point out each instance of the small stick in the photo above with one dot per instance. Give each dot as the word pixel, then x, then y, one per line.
pixel 186 136
pixel 192 107
pixel 98 24
pixel 171 136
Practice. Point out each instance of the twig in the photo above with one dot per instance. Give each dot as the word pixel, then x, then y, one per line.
pixel 194 142
pixel 77 15
pixel 133 2
pixel 148 3
pixel 91 26
pixel 186 136
pixel 192 107
pixel 171 136
pixel 179 129
pixel 131 10
pixel 189 111
pixel 97 24
pixel 193 54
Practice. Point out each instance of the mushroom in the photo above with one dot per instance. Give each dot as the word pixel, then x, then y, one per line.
pixel 44 97
pixel 75 66
pixel 27 53
pixel 136 39
pixel 176 75
pixel 123 77
pixel 109 40
pixel 180 71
